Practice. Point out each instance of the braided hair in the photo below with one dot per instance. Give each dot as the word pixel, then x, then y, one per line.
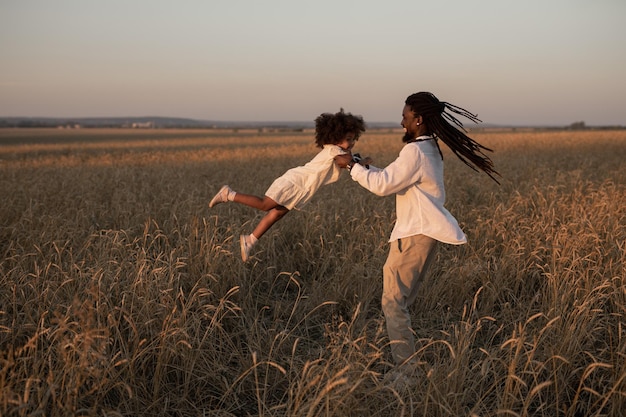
pixel 434 116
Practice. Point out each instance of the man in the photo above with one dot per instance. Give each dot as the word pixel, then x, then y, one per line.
pixel 416 178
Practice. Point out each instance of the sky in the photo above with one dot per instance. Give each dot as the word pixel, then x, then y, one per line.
pixel 531 62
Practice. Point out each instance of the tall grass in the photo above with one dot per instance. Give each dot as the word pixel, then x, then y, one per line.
pixel 121 293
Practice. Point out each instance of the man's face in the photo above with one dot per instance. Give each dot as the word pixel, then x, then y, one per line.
pixel 409 123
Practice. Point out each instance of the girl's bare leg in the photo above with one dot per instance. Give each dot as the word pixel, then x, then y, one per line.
pixel 272 216
pixel 275 212
pixel 248 241
pixel 261 203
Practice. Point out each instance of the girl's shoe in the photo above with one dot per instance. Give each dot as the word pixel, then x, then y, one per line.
pixel 221 196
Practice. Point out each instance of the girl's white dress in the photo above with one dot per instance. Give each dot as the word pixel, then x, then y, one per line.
pixel 295 187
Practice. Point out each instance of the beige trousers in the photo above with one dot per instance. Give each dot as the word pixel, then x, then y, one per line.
pixel 403 274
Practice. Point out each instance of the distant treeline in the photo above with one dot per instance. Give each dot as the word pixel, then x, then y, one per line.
pixel 182 123
pixel 104 122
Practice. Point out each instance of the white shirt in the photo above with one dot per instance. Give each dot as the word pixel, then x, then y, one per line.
pixel 416 177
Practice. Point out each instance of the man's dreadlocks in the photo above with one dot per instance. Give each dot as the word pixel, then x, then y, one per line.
pixel 465 148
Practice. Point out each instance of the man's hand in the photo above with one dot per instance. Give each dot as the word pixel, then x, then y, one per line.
pixel 366 161
pixel 347 161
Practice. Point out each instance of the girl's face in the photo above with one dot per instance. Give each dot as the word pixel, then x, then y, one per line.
pixel 348 142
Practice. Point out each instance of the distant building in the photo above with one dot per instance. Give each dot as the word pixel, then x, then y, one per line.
pixel 143 125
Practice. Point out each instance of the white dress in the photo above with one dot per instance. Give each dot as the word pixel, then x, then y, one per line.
pixel 295 187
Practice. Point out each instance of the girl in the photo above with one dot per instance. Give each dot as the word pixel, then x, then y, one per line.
pixel 336 135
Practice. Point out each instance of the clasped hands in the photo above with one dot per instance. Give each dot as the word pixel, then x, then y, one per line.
pixel 347 159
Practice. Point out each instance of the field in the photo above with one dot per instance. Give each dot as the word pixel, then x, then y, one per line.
pixel 122 294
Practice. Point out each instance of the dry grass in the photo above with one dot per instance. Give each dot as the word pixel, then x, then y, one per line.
pixel 122 294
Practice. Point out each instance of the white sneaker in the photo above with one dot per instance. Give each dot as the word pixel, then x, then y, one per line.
pixel 245 247
pixel 221 196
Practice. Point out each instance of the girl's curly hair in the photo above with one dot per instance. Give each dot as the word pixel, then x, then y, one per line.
pixel 333 128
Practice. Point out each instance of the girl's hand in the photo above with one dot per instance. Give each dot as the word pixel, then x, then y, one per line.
pixel 343 160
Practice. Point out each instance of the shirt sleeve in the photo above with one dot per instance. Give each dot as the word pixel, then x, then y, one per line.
pixel 398 175
pixel 336 150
